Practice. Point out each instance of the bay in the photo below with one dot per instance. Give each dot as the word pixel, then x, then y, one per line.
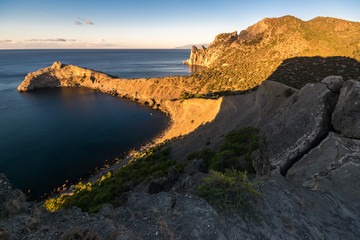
pixel 49 136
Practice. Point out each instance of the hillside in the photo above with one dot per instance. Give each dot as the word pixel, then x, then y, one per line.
pixel 241 61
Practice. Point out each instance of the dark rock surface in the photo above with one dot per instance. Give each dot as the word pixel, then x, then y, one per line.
pixel 154 187
pixel 346 116
pixel 333 167
pixel 334 83
pixel 299 125
pixel 173 174
pixel 288 211
pixel 12 201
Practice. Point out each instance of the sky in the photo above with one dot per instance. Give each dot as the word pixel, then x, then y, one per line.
pixel 35 24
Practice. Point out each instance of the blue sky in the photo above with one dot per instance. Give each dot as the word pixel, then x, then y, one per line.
pixel 145 24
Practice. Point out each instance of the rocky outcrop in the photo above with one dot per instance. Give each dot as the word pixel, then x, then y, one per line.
pixel 346 117
pixel 333 167
pixel 297 127
pixel 206 56
pixel 12 201
pixel 334 83
pixel 197 55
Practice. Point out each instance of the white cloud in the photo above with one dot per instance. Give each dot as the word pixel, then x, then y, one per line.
pixel 47 40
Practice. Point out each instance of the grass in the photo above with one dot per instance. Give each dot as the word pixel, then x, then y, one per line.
pixel 230 192
pixel 90 197
pixel 235 152
pixel 228 189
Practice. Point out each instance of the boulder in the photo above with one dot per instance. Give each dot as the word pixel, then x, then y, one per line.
pixel 173 174
pixel 199 165
pixel 346 116
pixel 11 200
pixel 334 83
pixel 334 167
pixel 297 126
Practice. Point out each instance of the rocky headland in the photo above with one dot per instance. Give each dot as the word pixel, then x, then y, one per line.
pixel 307 158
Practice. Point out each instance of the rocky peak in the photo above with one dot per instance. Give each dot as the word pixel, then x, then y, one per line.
pixel 57 65
pixel 254 31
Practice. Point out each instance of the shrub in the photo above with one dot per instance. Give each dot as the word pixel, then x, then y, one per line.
pixel 224 160
pixel 180 166
pixel 288 92
pixel 230 192
pixel 207 154
pixel 193 155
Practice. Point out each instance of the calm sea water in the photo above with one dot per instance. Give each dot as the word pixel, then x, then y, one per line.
pixel 49 136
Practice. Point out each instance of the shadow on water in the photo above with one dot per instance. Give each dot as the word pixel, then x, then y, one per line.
pixel 298 71
pixel 68 131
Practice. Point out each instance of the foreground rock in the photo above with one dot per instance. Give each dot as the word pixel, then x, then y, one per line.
pixel 346 117
pixel 287 212
pixel 334 83
pixel 299 125
pixel 333 167
pixel 12 201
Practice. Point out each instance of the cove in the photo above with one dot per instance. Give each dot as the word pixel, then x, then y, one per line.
pixel 65 133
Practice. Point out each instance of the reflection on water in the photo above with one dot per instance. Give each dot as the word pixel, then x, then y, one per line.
pixel 194 69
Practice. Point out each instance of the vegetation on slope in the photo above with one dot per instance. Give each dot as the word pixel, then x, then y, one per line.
pixel 228 189
pixel 234 153
pixel 90 197
pixel 230 192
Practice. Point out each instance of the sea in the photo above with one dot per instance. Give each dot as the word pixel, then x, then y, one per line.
pixel 52 136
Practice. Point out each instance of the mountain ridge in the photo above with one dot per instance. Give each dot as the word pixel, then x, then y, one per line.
pixel 254 54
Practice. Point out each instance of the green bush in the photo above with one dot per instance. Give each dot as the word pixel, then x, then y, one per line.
pixel 241 142
pixel 288 92
pixel 193 155
pixel 180 166
pixel 230 192
pixel 224 160
pixel 207 154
